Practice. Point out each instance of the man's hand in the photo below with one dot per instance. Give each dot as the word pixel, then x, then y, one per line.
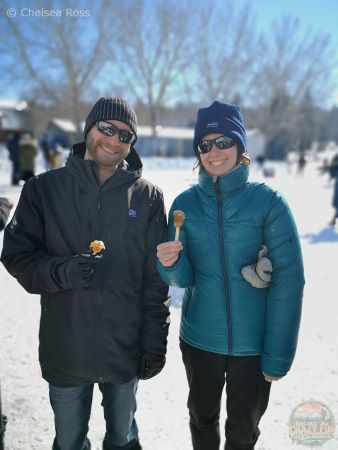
pixel 149 369
pixel 79 270
pixel 270 379
pixel 168 252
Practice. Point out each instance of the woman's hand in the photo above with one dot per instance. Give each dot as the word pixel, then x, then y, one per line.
pixel 270 379
pixel 168 252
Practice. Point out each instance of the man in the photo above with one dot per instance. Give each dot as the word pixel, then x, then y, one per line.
pixel 13 149
pixel 6 204
pixel 333 172
pixel 103 320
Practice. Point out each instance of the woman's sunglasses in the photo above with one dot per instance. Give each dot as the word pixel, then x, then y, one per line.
pixel 108 129
pixel 221 143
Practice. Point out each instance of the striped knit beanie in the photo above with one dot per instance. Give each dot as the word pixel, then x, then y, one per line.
pixel 111 109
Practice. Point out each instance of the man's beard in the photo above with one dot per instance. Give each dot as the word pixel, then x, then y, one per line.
pixel 92 147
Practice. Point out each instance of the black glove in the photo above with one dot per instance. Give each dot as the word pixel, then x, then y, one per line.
pixel 149 369
pixel 79 270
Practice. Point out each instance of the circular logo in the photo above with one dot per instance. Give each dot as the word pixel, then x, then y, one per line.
pixel 11 12
pixel 312 424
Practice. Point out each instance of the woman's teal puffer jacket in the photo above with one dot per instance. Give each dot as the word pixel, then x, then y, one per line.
pixel 227 221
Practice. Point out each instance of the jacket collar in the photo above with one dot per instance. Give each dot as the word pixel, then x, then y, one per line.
pixel 86 170
pixel 227 184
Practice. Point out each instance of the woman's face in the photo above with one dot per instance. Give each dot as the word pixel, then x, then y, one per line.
pixel 218 162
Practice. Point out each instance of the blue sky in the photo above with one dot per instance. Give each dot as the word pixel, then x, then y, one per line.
pixel 319 15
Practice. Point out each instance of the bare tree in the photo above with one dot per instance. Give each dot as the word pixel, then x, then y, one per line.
pixel 224 51
pixel 58 59
pixel 294 60
pixel 161 54
pixel 153 57
pixel 293 63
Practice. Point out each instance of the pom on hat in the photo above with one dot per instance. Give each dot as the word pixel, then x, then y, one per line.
pixel 111 109
pixel 221 118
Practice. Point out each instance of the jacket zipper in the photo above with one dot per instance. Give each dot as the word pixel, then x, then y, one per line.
pixel 99 302
pixel 90 229
pixel 108 231
pixel 98 207
pixel 98 311
pixel 223 265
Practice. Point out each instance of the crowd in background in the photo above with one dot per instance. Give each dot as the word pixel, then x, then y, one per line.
pixel 23 150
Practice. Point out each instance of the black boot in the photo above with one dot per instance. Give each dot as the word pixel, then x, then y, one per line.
pixel 132 445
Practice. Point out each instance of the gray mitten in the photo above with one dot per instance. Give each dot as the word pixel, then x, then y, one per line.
pixel 259 274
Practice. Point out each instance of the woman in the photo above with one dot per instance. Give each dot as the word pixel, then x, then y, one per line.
pixel 333 171
pixel 230 330
pixel 27 154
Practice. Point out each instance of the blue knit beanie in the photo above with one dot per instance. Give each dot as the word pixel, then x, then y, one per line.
pixel 222 118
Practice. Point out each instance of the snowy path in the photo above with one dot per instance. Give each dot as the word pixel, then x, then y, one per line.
pixel 162 416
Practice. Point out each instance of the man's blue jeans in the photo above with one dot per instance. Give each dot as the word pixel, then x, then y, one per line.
pixel 72 407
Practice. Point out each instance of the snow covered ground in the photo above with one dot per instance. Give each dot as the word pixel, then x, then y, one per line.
pixel 162 415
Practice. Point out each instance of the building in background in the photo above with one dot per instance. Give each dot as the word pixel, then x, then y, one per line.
pixel 15 117
pixel 168 141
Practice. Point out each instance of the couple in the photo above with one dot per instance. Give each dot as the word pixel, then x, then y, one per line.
pixel 105 319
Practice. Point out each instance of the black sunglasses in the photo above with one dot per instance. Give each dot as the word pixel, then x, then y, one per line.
pixel 221 143
pixel 108 129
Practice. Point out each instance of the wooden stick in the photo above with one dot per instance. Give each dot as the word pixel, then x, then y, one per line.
pixel 177 233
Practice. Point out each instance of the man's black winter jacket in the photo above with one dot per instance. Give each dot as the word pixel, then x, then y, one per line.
pixel 99 333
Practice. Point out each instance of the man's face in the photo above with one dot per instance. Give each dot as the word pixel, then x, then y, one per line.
pixel 107 151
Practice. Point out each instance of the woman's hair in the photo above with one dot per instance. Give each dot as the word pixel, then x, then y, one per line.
pixel 243 158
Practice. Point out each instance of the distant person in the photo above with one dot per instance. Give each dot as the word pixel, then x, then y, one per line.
pixel 52 157
pixel 6 204
pixel 325 167
pixel 3 422
pixel 103 320
pixel 13 150
pixel 27 154
pixel 59 157
pixel 237 331
pixel 301 163
pixel 46 149
pixel 260 159
pixel 333 171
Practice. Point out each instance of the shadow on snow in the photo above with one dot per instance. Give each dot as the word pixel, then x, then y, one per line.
pixel 327 234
